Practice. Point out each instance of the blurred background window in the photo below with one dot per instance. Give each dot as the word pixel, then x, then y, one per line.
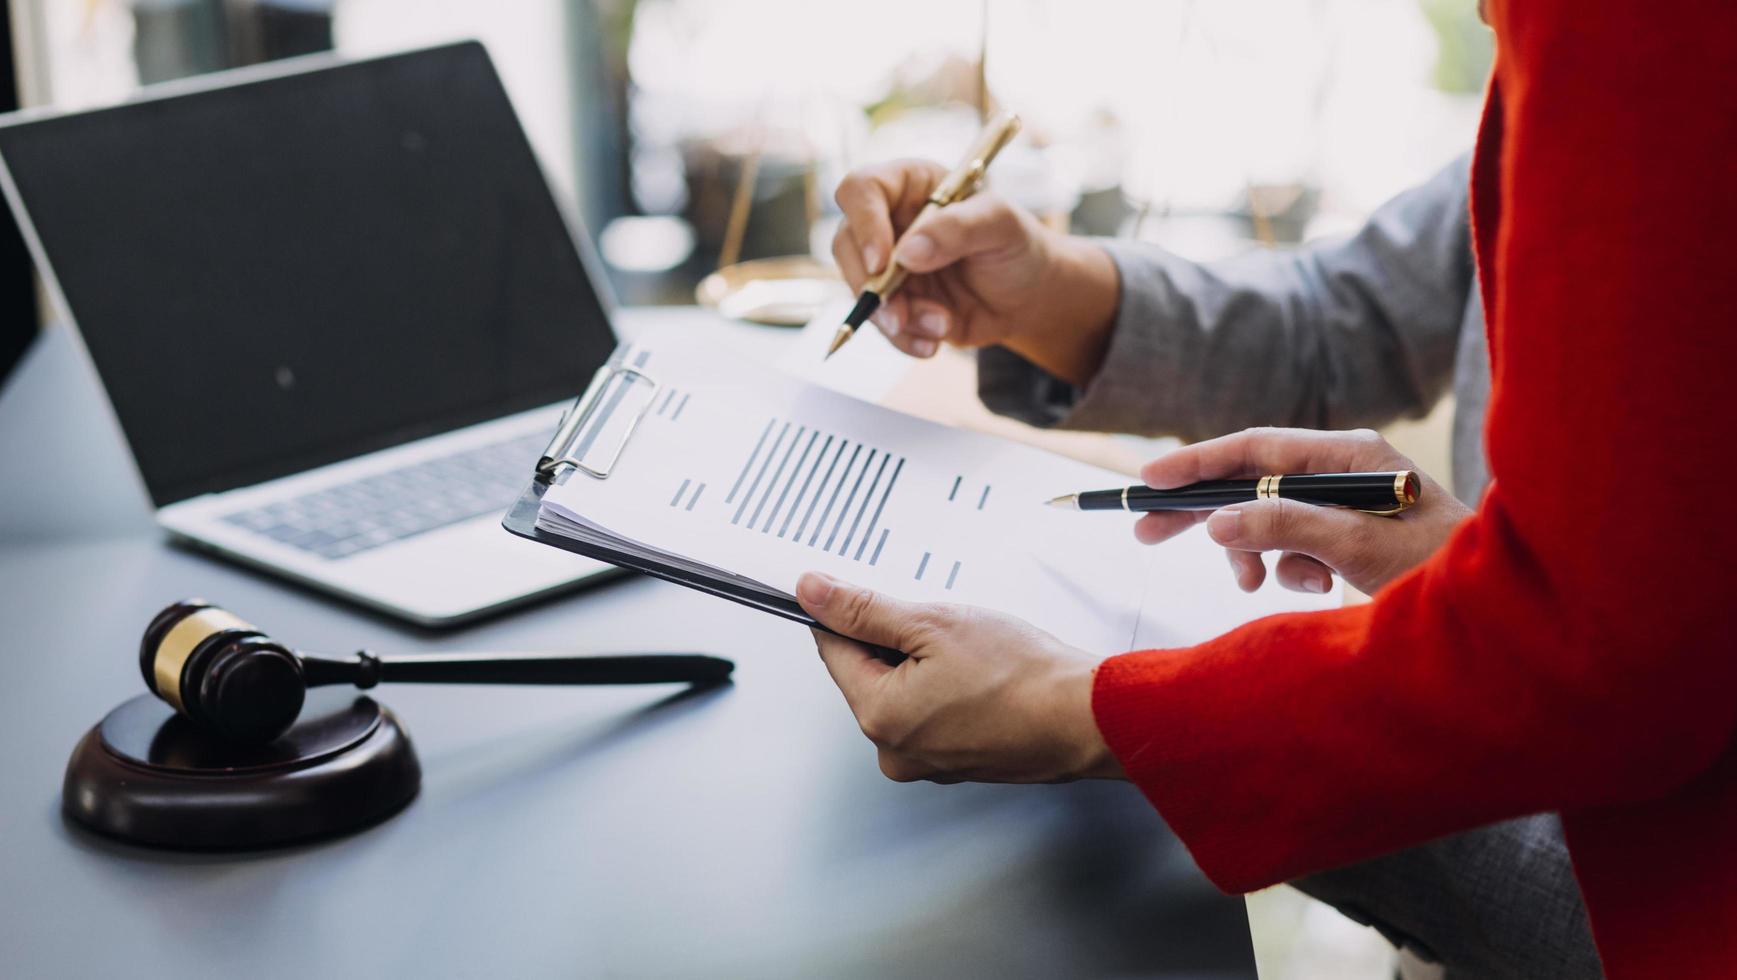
pixel 686 131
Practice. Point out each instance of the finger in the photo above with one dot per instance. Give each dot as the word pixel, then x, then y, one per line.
pixel 872 196
pixel 1160 525
pixel 854 668
pixel 847 252
pixel 1334 536
pixel 889 316
pixel 1248 568
pixel 891 319
pixel 868 216
pixel 893 314
pixel 901 769
pixel 863 614
pixel 901 308
pixel 982 223
pixel 1258 452
pixel 930 319
pixel 1300 573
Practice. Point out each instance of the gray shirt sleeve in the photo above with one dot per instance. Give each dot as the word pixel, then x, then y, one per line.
pixel 1342 333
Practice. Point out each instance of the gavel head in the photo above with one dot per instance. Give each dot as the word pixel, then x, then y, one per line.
pixel 221 672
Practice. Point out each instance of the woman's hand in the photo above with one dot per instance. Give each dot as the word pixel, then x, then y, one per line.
pixel 1366 550
pixel 982 697
pixel 982 272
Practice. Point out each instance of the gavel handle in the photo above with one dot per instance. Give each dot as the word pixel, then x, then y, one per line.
pixel 366 670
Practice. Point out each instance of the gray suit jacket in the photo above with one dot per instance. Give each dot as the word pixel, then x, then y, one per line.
pixel 1347 332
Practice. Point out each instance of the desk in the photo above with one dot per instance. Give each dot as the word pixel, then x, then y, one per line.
pixel 744 832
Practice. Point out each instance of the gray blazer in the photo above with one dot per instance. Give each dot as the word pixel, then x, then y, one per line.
pixel 1346 332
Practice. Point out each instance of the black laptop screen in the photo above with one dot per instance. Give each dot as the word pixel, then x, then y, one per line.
pixel 294 270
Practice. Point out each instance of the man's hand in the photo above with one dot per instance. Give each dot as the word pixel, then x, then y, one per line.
pixel 1366 550
pixel 982 272
pixel 982 697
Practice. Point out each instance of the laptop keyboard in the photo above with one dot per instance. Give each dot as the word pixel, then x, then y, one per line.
pixel 350 518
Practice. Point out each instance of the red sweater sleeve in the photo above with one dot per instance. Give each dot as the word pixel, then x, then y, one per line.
pixel 1571 645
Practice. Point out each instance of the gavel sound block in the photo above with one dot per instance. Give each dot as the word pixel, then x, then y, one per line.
pixel 149 775
pixel 244 743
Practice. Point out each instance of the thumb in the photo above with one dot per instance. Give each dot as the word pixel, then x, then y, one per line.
pixel 859 613
pixel 1336 537
pixel 981 223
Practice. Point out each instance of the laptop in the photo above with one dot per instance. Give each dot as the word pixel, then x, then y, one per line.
pixel 337 312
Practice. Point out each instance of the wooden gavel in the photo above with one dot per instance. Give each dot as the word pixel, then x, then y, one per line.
pixel 233 680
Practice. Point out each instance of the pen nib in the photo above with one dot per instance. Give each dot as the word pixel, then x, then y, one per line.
pixel 1071 501
pixel 838 339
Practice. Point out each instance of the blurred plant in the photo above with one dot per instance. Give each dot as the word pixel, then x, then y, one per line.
pixel 1464 48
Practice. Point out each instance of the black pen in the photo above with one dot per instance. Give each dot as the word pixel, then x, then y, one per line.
pixel 1372 493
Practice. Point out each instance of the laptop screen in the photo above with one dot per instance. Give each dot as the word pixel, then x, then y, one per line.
pixel 293 270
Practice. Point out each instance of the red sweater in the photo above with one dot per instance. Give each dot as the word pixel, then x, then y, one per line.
pixel 1572 647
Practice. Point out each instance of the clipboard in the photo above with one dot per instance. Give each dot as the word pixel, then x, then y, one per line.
pixel 580 449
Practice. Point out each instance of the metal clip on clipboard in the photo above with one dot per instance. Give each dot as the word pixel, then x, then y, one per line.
pixel 576 437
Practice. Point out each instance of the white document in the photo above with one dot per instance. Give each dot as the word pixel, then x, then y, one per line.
pixel 743 471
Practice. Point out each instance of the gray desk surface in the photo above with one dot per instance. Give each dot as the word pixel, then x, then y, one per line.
pixel 745 832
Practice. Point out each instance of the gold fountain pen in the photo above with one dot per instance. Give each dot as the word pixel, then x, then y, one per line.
pixel 964 181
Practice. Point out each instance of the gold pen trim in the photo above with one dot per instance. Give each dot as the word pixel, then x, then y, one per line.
pixel 1267 488
pixel 1405 493
pixel 964 179
pixel 180 642
pixel 894 275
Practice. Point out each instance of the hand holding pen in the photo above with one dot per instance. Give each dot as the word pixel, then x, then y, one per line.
pixel 980 271
pixel 960 183
pixel 1314 542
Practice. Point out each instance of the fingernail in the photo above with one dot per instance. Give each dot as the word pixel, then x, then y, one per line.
pixel 814 588
pixel 915 248
pixel 888 318
pixel 923 347
pixel 1225 526
pixel 871 259
pixel 1315 585
pixel 933 323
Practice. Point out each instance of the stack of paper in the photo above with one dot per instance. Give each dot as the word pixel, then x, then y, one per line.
pixel 740 472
